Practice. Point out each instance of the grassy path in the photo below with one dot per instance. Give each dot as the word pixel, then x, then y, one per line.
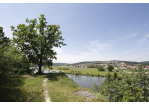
pixel 54 87
pixel 47 98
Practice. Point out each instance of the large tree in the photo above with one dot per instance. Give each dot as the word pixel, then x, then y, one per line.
pixel 4 43
pixel 36 41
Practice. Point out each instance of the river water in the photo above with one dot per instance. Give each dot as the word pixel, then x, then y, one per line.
pixel 84 81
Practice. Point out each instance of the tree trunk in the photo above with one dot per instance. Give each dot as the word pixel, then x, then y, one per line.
pixel 40 66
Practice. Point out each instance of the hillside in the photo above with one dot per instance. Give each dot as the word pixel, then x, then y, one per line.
pixel 127 62
pixel 58 64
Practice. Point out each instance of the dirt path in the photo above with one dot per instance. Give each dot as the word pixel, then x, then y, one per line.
pixel 45 90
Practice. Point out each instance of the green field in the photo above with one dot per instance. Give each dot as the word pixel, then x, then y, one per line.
pixel 85 71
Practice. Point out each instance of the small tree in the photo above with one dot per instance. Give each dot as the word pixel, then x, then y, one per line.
pixel 100 68
pixel 110 68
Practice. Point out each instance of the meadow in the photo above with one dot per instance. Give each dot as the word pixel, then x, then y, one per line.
pixel 86 71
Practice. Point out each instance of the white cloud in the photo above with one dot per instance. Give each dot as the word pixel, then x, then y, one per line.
pixel 94 53
pixel 145 24
pixel 112 31
pixel 143 39
pixel 99 46
pixel 128 36
pixel 58 50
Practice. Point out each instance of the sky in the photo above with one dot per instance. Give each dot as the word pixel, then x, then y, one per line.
pixel 92 31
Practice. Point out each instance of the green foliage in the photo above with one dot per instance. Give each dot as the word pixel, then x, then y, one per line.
pixel 100 68
pixel 131 89
pixel 117 70
pixel 63 68
pixel 4 44
pixel 110 68
pixel 36 40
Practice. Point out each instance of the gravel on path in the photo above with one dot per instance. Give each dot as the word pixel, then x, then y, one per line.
pixel 86 94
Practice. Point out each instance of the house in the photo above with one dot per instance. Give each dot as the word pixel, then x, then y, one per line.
pixel 125 66
pixel 147 67
pixel 106 67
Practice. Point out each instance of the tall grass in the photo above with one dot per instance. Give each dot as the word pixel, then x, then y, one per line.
pixel 21 89
pixel 61 89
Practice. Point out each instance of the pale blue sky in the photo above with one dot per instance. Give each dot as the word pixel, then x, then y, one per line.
pixel 92 32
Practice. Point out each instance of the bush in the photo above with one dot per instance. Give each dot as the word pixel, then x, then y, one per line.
pixel 21 71
pixel 117 70
pixel 110 68
pixel 100 68
pixel 98 74
pixel 65 68
pixel 132 89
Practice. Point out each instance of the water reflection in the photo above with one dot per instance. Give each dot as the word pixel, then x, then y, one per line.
pixel 86 81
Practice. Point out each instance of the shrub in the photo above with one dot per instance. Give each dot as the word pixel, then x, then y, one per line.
pixel 100 68
pixel 132 89
pixel 117 70
pixel 98 74
pixel 110 68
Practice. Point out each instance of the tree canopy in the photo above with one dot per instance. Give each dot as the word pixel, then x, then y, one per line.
pixel 4 43
pixel 36 41
pixel 100 68
pixel 110 68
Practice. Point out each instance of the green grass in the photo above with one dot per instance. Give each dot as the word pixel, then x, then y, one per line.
pixel 26 88
pixel 84 71
pixel 61 89
pixel 23 88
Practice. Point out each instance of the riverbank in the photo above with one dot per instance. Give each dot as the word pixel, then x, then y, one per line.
pixel 28 88
pixel 63 89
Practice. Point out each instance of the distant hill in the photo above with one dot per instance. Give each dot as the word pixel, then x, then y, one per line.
pixel 127 62
pixel 58 64
pixel 81 62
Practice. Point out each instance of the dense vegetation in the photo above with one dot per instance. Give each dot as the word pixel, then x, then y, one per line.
pixel 127 88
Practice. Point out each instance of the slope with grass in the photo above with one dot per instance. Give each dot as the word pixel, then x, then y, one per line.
pixel 62 89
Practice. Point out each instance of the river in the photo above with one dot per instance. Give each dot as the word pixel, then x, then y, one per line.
pixel 84 81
